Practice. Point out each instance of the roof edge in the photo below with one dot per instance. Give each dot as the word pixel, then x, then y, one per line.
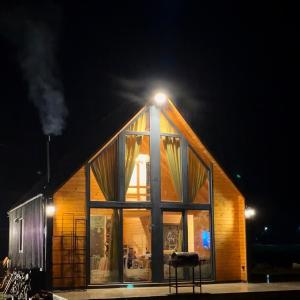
pixel 24 203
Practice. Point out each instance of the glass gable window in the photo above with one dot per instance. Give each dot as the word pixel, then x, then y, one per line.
pixel 170 169
pixel 103 175
pixel 122 244
pixel 198 179
pixel 165 126
pixel 141 124
pixel 104 245
pixel 137 244
pixel 137 168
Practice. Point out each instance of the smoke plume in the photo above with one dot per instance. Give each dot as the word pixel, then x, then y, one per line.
pixel 34 32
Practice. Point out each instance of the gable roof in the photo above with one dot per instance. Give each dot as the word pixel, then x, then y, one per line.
pixel 96 138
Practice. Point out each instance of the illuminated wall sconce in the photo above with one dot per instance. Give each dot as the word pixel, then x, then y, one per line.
pixel 50 210
pixel 250 213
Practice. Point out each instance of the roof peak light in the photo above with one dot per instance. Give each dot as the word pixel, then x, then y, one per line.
pixel 160 98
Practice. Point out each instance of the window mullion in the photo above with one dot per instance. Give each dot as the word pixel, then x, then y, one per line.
pixel 121 167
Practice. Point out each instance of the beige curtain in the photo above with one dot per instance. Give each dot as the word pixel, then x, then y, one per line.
pixel 172 148
pixel 114 246
pixel 104 167
pixel 140 124
pixel 132 149
pixel 197 174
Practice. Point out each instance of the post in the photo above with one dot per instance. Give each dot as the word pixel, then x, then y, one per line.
pixel 157 240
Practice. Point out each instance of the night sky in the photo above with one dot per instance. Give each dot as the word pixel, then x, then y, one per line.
pixel 231 68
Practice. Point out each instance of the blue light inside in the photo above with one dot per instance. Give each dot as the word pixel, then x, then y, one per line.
pixel 206 239
pixel 130 286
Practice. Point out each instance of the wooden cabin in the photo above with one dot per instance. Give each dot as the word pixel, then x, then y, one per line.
pixel 150 188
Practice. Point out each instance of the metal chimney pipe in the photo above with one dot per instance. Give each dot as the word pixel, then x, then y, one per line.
pixel 48 159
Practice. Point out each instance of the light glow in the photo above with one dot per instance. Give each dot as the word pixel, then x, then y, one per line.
pixel 249 213
pixel 50 210
pixel 160 99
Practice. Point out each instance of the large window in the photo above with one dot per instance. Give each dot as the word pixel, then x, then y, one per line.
pixel 198 177
pixel 121 242
pixel 137 244
pixel 172 239
pixel 137 168
pixel 104 175
pixel 104 245
pixel 141 124
pixel 199 238
pixel 165 126
pixel 170 169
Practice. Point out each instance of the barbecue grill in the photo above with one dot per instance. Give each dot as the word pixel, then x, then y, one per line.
pixel 184 259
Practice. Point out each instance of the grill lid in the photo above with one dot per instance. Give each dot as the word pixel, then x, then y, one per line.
pixel 184 259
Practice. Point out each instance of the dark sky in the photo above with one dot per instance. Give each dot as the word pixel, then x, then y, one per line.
pixel 232 67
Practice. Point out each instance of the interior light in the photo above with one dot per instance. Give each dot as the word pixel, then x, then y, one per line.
pixel 50 210
pixel 160 99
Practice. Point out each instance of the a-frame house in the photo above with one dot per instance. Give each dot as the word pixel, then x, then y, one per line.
pixel 149 189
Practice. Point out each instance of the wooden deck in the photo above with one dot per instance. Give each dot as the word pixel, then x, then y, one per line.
pixel 253 291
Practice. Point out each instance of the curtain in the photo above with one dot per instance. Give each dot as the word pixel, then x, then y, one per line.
pixel 132 149
pixel 140 124
pixel 104 167
pixel 114 246
pixel 172 148
pixel 197 174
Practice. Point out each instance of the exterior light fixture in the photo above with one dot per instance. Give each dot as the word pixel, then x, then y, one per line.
pixel 160 99
pixel 249 213
pixel 50 210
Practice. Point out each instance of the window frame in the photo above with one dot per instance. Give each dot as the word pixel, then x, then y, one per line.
pixel 155 205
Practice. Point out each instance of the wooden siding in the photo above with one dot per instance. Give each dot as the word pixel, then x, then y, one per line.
pixel 69 233
pixel 229 220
